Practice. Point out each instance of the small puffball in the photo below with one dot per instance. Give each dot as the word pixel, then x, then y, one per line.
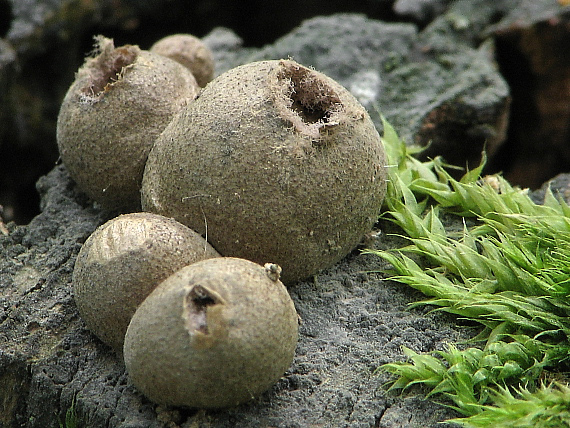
pixel 214 334
pixel 122 262
pixel 121 100
pixel 189 51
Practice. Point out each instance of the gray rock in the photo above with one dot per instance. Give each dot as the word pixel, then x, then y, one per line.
pixel 451 97
pixel 420 10
pixel 352 322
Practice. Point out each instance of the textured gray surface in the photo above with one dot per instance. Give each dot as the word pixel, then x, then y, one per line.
pixel 352 322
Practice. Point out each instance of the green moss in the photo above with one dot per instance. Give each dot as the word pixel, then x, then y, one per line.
pixel 72 419
pixel 509 272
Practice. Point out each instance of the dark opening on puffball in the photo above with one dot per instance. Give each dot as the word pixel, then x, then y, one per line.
pixel 121 100
pixel 108 65
pixel 214 334
pixel 310 103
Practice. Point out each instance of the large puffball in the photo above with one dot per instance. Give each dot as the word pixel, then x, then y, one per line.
pixel 274 162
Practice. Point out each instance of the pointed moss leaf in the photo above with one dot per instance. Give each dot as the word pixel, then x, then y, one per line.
pixel 395 148
pixel 510 273
pixel 473 175
pixel 482 375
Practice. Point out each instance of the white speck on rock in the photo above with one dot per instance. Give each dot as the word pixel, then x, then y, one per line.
pixel 365 86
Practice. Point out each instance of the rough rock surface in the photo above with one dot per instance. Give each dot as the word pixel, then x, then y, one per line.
pixel 352 321
pixel 436 82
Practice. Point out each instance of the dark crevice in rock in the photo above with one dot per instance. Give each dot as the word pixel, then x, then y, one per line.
pixel 534 59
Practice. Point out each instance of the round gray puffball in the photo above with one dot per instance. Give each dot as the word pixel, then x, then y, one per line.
pixel 214 334
pixel 189 51
pixel 121 100
pixel 122 262
pixel 281 162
